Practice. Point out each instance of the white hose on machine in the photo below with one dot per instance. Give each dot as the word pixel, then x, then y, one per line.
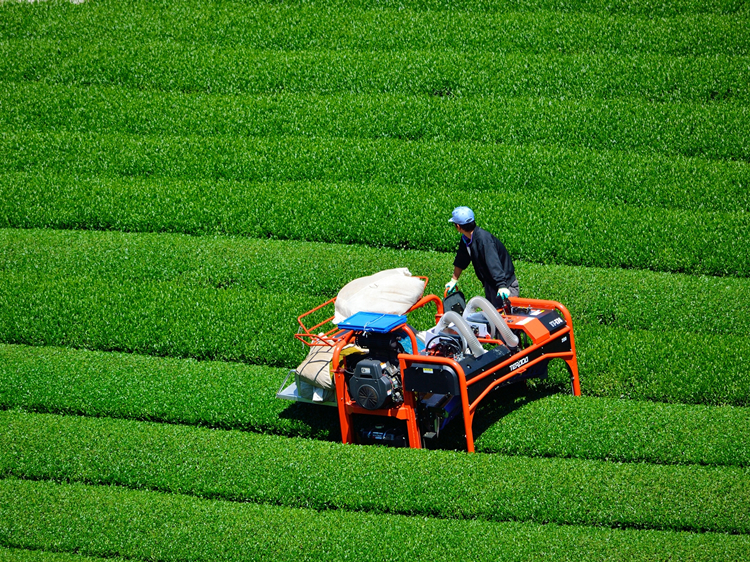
pixel 489 310
pixel 470 340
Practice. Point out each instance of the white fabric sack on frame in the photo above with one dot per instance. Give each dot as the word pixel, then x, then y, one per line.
pixel 316 368
pixel 392 291
pixel 314 375
pixel 315 393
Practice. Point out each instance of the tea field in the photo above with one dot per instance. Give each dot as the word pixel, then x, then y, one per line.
pixel 180 180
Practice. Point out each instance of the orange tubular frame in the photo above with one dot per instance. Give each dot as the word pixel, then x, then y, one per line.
pixel 407 411
pixel 469 408
pixel 568 357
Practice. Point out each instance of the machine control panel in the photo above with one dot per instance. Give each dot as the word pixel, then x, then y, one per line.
pixel 538 323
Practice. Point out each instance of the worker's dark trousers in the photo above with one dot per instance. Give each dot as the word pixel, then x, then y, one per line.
pixel 490 293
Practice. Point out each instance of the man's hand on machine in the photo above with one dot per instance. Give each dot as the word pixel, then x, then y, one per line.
pixel 450 286
pixel 503 293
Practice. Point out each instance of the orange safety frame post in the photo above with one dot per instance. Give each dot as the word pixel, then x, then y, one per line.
pixel 570 357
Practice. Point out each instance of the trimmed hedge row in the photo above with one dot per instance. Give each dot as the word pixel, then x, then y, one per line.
pixel 181 297
pixel 296 27
pixel 68 161
pixel 444 74
pixel 66 13
pixel 621 430
pixel 319 475
pixel 631 299
pixel 111 521
pixel 23 555
pixel 235 396
pixel 119 385
pixel 545 227
pixel 711 131
pixel 664 366
pixel 248 325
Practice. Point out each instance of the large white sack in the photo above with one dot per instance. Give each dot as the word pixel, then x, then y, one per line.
pixel 392 291
pixel 316 368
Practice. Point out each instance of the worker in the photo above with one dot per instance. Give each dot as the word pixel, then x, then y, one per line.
pixel 491 260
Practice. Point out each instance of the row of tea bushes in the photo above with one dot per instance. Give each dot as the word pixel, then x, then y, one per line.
pixel 669 366
pixel 223 13
pixel 621 431
pixel 24 555
pixel 717 131
pixel 125 385
pixel 298 26
pixel 140 293
pixel 631 299
pixel 84 164
pixel 544 228
pixel 187 318
pixel 320 475
pixel 256 326
pixel 211 69
pixel 112 521
pixel 235 396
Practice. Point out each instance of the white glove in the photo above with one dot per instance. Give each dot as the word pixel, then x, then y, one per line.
pixel 503 292
pixel 450 286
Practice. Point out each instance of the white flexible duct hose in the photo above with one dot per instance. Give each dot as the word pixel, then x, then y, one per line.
pixel 510 339
pixel 470 340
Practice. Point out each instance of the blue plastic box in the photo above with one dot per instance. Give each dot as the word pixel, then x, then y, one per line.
pixel 372 322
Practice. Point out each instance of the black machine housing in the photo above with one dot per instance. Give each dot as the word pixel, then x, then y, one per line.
pixel 375 380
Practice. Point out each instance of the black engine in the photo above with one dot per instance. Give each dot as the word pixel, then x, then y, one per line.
pixel 373 385
pixel 374 378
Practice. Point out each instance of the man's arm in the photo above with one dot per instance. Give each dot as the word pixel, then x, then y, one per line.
pixel 450 286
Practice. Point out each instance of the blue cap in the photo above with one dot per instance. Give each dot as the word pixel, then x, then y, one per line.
pixel 462 215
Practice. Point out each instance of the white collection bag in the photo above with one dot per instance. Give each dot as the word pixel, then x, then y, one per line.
pixel 392 291
pixel 314 375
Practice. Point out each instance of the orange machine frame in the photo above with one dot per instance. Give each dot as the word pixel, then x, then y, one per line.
pixel 407 410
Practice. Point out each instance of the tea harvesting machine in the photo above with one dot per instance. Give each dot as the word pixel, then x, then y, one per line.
pixel 396 386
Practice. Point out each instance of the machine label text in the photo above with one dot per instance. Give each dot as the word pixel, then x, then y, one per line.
pixel 519 363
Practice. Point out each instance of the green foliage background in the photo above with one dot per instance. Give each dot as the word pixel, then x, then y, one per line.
pixel 180 180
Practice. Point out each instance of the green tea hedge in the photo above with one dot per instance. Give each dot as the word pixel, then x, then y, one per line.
pixel 545 227
pixel 297 26
pixel 620 430
pixel 111 521
pixel 124 385
pixel 223 11
pixel 83 162
pixel 709 130
pixel 441 73
pixel 635 300
pixel 218 299
pixel 321 475
pixel 235 396
pixel 23 555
